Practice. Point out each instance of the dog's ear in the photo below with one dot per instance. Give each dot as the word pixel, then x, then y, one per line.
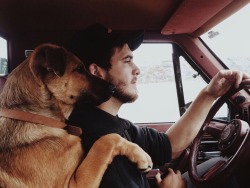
pixel 48 58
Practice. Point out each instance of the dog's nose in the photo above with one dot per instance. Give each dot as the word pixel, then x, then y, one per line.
pixel 112 88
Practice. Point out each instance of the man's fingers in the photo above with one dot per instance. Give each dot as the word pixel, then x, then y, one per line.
pixel 170 170
pixel 178 173
pixel 173 179
pixel 158 178
pixel 233 76
pixel 241 77
pixel 246 76
pixel 238 80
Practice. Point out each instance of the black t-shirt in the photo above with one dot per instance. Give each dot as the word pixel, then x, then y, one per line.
pixel 121 173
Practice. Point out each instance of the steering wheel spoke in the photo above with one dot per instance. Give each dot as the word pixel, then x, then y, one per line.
pixel 213 130
pixel 214 169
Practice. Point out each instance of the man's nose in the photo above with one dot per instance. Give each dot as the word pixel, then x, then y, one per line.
pixel 137 70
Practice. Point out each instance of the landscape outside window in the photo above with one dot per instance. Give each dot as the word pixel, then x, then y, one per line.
pixel 157 100
pixel 3 57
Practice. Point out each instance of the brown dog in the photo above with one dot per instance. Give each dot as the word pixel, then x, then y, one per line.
pixel 32 154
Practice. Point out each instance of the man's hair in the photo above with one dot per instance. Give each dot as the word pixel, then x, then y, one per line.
pixel 96 44
pixel 105 63
pixel 104 60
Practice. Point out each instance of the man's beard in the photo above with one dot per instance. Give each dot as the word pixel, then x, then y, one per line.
pixel 120 93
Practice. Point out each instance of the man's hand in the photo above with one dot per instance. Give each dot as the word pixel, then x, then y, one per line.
pixel 172 180
pixel 222 81
pixel 183 132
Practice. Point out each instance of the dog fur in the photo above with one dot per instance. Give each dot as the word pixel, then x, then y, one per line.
pixel 49 83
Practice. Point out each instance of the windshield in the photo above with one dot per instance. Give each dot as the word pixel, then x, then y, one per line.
pixel 232 44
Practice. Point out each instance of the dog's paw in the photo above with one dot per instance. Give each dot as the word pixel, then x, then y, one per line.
pixel 137 155
pixel 120 146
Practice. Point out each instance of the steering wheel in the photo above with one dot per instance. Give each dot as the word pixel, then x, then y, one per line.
pixel 233 142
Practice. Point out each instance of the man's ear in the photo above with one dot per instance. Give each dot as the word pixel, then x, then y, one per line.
pixel 96 70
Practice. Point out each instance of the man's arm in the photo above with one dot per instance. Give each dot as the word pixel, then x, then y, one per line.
pixel 182 133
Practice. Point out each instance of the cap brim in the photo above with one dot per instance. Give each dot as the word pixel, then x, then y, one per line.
pixel 136 41
pixel 132 38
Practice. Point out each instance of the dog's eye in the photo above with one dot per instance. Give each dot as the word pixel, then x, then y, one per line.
pixel 80 69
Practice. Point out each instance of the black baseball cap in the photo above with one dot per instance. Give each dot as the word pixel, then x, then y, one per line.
pixel 95 42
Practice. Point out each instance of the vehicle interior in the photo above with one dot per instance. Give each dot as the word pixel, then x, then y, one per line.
pixel 178 23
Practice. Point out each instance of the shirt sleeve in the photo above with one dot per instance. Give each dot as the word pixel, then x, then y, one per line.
pixel 155 143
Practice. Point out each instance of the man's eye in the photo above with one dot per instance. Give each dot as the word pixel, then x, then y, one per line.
pixel 127 60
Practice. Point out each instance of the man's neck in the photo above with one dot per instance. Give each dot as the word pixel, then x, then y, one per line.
pixel 112 106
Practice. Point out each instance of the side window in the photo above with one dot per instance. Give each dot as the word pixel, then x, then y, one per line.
pixel 193 83
pixel 3 57
pixel 157 100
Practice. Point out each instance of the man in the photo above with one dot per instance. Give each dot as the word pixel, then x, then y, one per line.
pixel 108 55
